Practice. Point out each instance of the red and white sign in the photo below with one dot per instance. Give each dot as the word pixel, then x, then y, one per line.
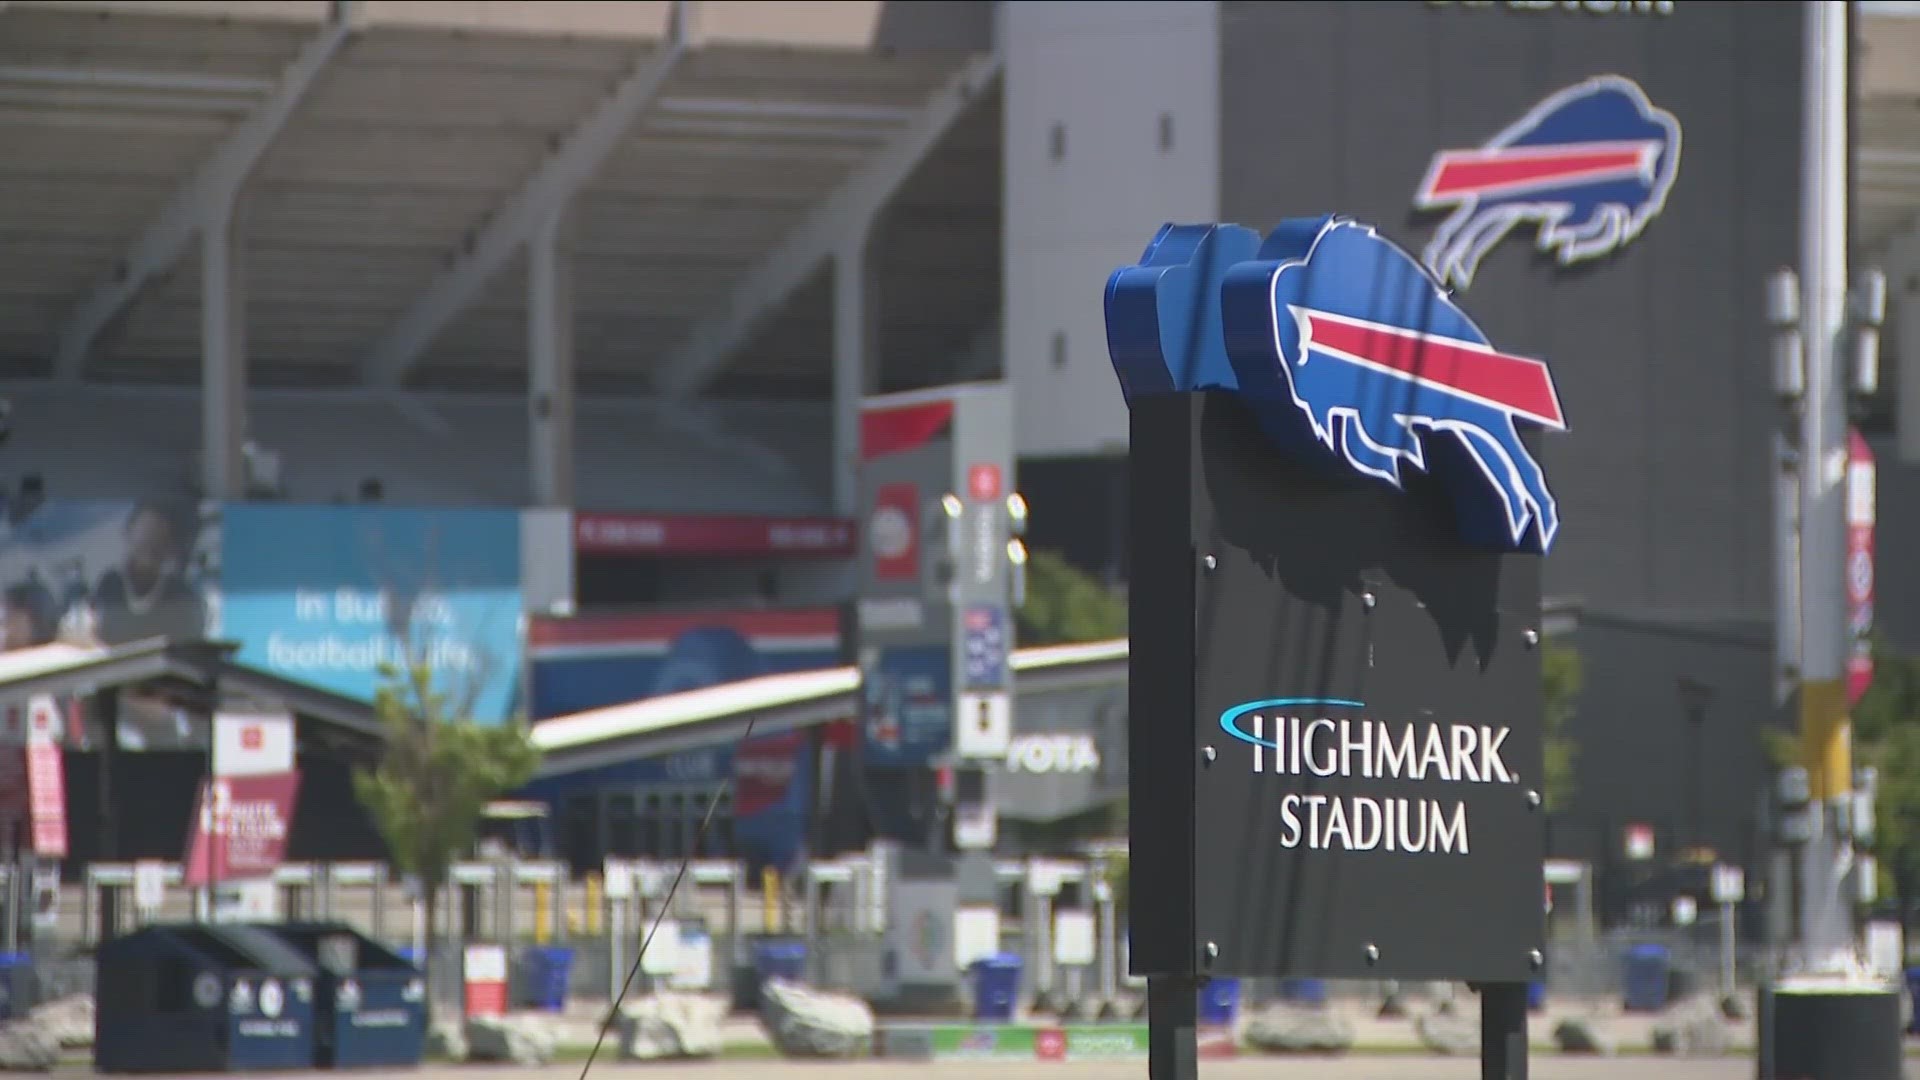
pixel 763 771
pixel 241 828
pixel 983 482
pixel 893 532
pixel 47 799
pixel 484 975
pixel 248 744
pixel 1639 842
pixel 1861 499
pixel 712 535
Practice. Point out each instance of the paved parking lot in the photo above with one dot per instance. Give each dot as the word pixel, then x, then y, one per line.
pixel 1395 1067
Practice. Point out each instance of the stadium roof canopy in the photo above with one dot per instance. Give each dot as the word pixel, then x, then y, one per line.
pixel 774 703
pixel 195 667
pixel 392 158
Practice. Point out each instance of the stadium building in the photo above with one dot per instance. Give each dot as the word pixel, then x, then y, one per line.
pixel 537 336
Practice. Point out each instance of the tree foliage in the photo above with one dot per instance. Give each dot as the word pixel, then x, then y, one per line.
pixel 1886 734
pixel 1066 604
pixel 436 775
pixel 1561 677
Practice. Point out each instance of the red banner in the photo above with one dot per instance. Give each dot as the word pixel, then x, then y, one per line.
pixel 894 532
pixel 241 828
pixel 712 535
pixel 47 799
pixel 1861 500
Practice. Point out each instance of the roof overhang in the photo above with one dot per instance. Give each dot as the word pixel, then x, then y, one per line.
pixel 208 666
pixel 772 704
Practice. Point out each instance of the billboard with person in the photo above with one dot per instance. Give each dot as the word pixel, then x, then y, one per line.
pixel 329 595
pixel 106 572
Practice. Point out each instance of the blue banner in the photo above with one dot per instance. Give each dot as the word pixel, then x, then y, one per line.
pixel 589 662
pixel 907 705
pixel 326 595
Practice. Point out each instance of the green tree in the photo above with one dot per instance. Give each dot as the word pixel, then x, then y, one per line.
pixel 1066 604
pixel 1886 735
pixel 1561 677
pixel 435 775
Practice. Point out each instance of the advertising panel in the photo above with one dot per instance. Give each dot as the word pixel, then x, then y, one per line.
pixel 106 572
pixel 328 595
pixel 907 705
pixel 772 794
pixel 589 662
pixel 241 827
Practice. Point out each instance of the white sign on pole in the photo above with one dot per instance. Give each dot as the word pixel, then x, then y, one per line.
pixel 618 875
pixel 984 726
pixel 1729 884
pixel 1685 910
pixel 695 969
pixel 252 744
pixel 976 934
pixel 1073 938
pixel 662 957
pixel 976 827
pixel 149 885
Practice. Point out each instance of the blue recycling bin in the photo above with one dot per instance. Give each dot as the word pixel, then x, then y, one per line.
pixel 1219 1001
pixel 370 1003
pixel 782 958
pixel 545 972
pixel 996 985
pixel 1536 996
pixel 16 973
pixel 187 998
pixel 1648 977
pixel 1913 991
pixel 1304 991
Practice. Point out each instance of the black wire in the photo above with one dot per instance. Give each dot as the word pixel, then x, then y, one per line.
pixel 666 905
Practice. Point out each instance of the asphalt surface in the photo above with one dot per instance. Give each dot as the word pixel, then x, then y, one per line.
pixel 1394 1067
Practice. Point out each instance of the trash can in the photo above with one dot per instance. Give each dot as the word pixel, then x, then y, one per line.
pixel 183 998
pixel 16 989
pixel 1536 996
pixel 996 985
pixel 1648 971
pixel 1219 1001
pixel 775 958
pixel 370 1005
pixel 1304 991
pixel 544 971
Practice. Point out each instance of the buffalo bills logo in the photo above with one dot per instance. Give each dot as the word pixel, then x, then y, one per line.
pixel 1589 167
pixel 1342 342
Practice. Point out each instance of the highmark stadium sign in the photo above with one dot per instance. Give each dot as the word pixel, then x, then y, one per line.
pixel 1336 612
pixel 1331 737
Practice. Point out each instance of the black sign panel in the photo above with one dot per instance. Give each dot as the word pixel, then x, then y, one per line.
pixel 1357 696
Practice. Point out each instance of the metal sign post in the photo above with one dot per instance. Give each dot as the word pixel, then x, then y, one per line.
pixel 1335 684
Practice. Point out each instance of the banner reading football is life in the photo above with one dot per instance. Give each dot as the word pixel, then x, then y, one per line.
pixel 241 827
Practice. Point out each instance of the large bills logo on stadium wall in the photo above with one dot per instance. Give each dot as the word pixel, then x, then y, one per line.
pixel 330 595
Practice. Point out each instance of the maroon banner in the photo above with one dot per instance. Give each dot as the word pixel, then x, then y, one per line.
pixel 1861 499
pixel 47 799
pixel 240 830
pixel 713 535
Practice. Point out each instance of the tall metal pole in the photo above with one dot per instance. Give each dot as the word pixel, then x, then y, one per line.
pixel 1826 930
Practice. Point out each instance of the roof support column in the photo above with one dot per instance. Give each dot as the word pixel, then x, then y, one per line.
pixel 223 356
pixel 550 360
pixel 856 359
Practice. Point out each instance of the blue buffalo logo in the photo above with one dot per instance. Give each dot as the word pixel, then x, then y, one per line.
pixel 1589 167
pixel 1340 340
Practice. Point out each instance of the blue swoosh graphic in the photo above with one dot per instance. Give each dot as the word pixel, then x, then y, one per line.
pixel 1230 720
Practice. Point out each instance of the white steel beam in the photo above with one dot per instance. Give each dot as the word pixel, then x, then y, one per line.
pixel 543 195
pixel 848 212
pixel 210 191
